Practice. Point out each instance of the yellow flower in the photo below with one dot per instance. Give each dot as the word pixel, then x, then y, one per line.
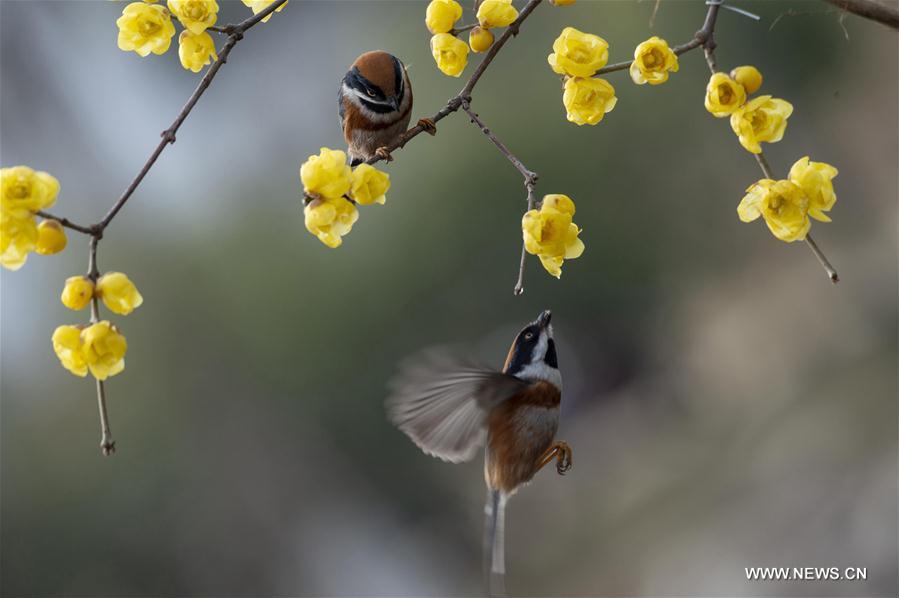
pixel 747 76
pixel 68 348
pixel 196 51
pixel 195 15
pixel 118 293
pixel 369 185
pixel 723 95
pixel 652 61
pixel 588 100
pixel 451 54
pixel 496 13
pixel 578 54
pixel 258 6
pixel 24 190
pixel 561 2
pixel 441 15
pixel 51 238
pixel 782 204
pixel 78 292
pixel 103 348
pixel 18 236
pixel 816 181
pixel 761 119
pixel 550 233
pixel 480 39
pixel 145 28
pixel 327 174
pixel 330 218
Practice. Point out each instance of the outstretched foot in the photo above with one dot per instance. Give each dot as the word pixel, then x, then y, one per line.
pixel 429 126
pixel 562 453
pixel 384 154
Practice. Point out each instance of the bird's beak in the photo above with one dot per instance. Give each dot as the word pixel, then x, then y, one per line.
pixel 543 319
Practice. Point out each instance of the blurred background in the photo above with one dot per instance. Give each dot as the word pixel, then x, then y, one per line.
pixel 727 406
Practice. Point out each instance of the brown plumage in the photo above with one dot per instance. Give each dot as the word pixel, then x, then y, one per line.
pixel 375 105
pixel 450 408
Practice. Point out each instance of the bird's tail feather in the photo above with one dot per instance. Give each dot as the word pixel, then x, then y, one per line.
pixel 494 543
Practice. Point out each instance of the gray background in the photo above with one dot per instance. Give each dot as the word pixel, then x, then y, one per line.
pixel 726 405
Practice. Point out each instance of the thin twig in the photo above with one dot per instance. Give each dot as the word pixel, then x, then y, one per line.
pixel 87 230
pixel 809 241
pixel 455 102
pixel 529 175
pixel 532 203
pixel 107 444
pixel 235 34
pixel 869 9
pixel 462 29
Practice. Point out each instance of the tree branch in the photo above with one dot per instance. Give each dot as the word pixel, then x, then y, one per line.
pixel 704 38
pixel 530 177
pixel 870 9
pixel 455 102
pixel 87 230
pixel 235 34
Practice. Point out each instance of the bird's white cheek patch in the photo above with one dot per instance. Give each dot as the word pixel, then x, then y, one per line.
pixel 541 371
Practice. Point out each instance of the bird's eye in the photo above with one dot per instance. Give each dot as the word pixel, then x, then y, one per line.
pixel 370 93
pixel 528 336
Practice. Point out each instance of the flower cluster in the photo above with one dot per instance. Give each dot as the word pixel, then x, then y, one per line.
pixel 451 53
pixel 577 56
pixel 550 233
pixel 786 205
pixel 97 347
pixel 146 27
pixel 23 192
pixel 332 191
pixel 757 120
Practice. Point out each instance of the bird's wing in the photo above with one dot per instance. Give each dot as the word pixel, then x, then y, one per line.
pixel 442 402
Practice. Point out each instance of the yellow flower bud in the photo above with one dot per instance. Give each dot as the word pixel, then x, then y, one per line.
pixel 496 13
pixel 578 54
pixel 23 190
pixel 588 100
pixel 369 185
pixel 480 39
pixel 561 2
pixel 330 219
pixel 68 348
pixel 761 119
pixel 78 292
pixel 816 181
pixel 257 6
pixel 103 348
pixel 782 204
pixel 195 15
pixel 18 237
pixel 196 51
pixel 327 174
pixel 550 233
pixel 118 293
pixel 653 59
pixel 451 54
pixel 145 28
pixel 723 95
pixel 51 237
pixel 747 76
pixel 441 15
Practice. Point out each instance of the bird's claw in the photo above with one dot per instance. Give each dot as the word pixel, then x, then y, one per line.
pixel 428 125
pixel 563 458
pixel 384 154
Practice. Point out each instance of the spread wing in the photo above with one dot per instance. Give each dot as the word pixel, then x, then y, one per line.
pixel 442 402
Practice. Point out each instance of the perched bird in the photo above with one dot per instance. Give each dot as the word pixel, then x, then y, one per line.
pixel 450 408
pixel 375 104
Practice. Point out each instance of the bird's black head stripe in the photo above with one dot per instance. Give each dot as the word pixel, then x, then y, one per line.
pixel 399 84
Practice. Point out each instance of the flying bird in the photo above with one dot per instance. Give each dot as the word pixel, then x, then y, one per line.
pixel 450 408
